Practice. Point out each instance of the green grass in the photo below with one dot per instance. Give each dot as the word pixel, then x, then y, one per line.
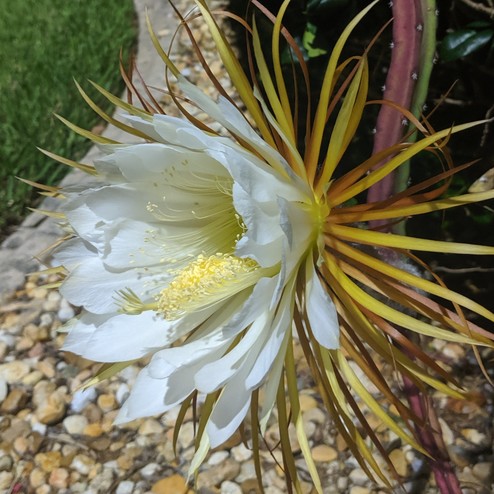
pixel 45 44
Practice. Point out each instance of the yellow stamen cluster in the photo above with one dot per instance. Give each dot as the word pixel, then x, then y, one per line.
pixel 205 281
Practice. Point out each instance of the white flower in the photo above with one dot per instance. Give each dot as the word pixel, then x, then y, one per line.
pixel 194 250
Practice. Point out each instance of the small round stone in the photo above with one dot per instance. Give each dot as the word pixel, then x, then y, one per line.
pixel 13 372
pixel 150 426
pixel 66 311
pixel 229 487
pixel 359 477
pixel 15 401
pixel 6 463
pixel 149 470
pixel 59 478
pixel 52 410
pixel 125 487
pixel 48 461
pixel 93 430
pixel 37 478
pixel 323 453
pixel 106 402
pixel 82 464
pixel 174 484
pixel 75 424
pixel 218 457
pixel 6 479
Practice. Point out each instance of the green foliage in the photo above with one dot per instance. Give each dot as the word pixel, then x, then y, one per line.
pixel 308 41
pixel 45 45
pixel 463 42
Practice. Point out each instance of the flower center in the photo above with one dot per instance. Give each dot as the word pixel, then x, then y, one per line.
pixel 206 281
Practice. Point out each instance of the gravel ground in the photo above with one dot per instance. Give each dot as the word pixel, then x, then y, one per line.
pixel 55 438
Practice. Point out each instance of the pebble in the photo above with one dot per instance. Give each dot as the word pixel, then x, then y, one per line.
pixel 6 463
pixel 37 478
pixel 4 389
pixel 48 461
pixel 399 461
pixel 42 390
pixel 342 483
pixel 227 470
pixel 15 401
pixel 47 368
pixel 150 470
pixel 106 402
pixel 3 350
pixel 82 464
pixel 484 471
pixel 66 311
pixel 448 435
pixel 75 424
pixel 150 426
pixel 125 487
pixel 103 480
pixel 359 477
pixel 59 478
pixel 122 393
pixel 229 487
pixel 359 490
pixel 218 457
pixel 93 430
pixel 6 479
pixel 240 453
pixel 247 471
pixel 52 302
pixel 46 320
pixel 32 378
pixel 175 484
pixel 307 402
pixel 13 372
pixel 474 436
pixel 186 435
pixel 82 398
pixel 52 410
pixel 39 428
pixel 323 453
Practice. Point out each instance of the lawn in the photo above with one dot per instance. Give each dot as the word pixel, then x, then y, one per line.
pixel 45 45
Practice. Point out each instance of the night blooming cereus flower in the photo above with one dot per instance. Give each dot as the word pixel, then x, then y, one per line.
pixel 212 250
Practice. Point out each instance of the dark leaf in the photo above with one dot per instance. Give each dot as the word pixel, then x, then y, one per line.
pixel 463 42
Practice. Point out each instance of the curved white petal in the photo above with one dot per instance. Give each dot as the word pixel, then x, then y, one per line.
pixel 150 396
pixel 213 376
pixel 321 310
pixel 280 327
pixel 118 337
pixel 229 410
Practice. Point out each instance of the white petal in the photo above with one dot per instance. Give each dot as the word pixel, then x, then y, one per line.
pixel 171 130
pixel 229 411
pixel 170 360
pixel 216 374
pixel 151 396
pixel 321 310
pixel 255 305
pixel 279 328
pixel 133 245
pixel 93 286
pixel 72 252
pixel 118 337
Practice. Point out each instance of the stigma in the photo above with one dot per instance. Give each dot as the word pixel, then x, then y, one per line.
pixel 206 281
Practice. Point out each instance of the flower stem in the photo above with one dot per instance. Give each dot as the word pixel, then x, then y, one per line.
pixel 414 41
pixel 430 437
pixel 399 87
